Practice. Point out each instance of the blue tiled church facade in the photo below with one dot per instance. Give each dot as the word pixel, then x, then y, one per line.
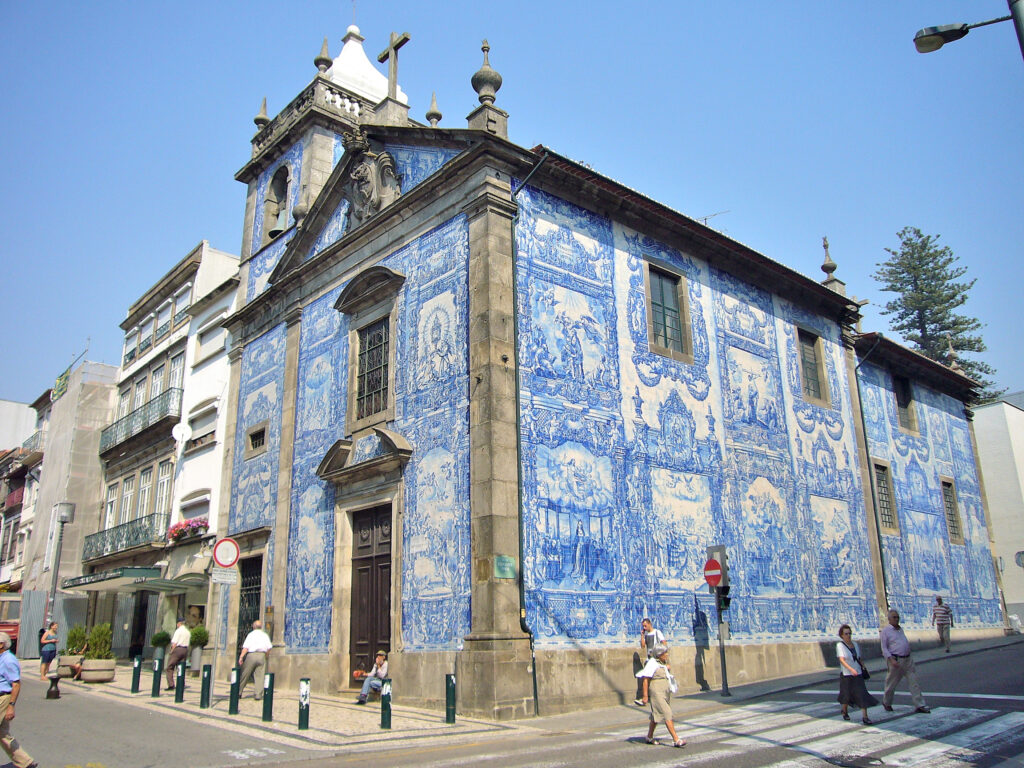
pixel 632 462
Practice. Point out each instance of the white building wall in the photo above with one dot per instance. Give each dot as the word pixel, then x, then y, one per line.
pixel 17 423
pixel 999 431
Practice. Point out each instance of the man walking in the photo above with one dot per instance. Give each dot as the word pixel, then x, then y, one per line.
pixel 255 648
pixel 179 650
pixel 942 620
pixel 896 650
pixel 649 637
pixel 10 687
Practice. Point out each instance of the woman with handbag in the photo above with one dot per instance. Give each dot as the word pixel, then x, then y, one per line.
pixel 851 680
pixel 658 687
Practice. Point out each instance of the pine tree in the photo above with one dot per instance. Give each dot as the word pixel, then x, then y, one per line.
pixel 926 280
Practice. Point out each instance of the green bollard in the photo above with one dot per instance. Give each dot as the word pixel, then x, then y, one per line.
pixel 233 700
pixel 179 683
pixel 449 698
pixel 136 674
pixel 268 697
pixel 158 674
pixel 304 704
pixel 385 703
pixel 204 695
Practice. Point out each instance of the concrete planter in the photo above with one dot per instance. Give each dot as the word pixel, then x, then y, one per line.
pixel 64 664
pixel 98 670
pixel 196 660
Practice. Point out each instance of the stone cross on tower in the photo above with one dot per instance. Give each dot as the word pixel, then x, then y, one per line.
pixel 390 55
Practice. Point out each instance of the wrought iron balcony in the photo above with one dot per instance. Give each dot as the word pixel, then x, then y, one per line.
pixel 15 497
pixel 129 355
pixel 165 405
pixel 151 529
pixel 35 442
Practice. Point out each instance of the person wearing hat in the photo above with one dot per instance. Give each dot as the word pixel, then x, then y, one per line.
pixel 179 650
pixel 374 679
pixel 10 687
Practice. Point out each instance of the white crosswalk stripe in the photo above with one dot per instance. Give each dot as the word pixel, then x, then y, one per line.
pixel 1006 726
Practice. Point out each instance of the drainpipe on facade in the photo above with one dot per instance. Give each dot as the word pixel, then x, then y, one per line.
pixel 519 433
pixel 871 470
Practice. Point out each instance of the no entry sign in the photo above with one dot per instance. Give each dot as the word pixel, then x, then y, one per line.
pixel 713 572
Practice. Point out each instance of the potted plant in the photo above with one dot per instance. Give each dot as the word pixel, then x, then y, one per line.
pixel 99 664
pixel 72 653
pixel 198 640
pixel 186 529
pixel 160 640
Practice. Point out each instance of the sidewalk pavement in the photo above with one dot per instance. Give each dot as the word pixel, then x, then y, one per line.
pixel 336 721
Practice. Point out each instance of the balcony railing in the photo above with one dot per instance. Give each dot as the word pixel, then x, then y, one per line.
pixel 35 442
pixel 15 497
pixel 163 329
pixel 164 405
pixel 129 355
pixel 151 529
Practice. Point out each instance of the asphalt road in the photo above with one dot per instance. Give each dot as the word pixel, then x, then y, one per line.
pixel 977 720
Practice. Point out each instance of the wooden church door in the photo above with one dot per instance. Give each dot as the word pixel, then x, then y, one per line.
pixel 371 586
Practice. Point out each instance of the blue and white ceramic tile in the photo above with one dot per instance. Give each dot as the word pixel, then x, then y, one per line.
pixel 261 392
pixel 320 408
pixel 416 163
pixel 921 561
pixel 262 265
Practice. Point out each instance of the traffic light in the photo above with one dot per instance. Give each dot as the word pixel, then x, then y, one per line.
pixel 722 595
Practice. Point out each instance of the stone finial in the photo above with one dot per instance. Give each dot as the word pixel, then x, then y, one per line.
pixel 324 60
pixel 301 209
pixel 261 119
pixel 829 266
pixel 433 114
pixel 486 81
pixel 954 364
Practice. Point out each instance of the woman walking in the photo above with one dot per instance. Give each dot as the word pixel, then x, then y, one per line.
pixel 47 649
pixel 659 685
pixel 851 681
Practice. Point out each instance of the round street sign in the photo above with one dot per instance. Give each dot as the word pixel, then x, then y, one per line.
pixel 712 572
pixel 225 553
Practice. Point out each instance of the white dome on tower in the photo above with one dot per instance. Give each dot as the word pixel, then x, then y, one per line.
pixel 353 71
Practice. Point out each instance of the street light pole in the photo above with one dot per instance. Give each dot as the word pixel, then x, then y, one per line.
pixel 932 38
pixel 65 512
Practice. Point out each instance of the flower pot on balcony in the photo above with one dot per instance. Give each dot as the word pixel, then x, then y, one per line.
pixel 64 664
pixel 98 670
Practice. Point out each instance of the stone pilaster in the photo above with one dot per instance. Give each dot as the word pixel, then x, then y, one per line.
pixel 494 670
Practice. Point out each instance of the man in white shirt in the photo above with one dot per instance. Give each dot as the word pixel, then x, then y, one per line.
pixel 649 638
pixel 179 650
pixel 255 648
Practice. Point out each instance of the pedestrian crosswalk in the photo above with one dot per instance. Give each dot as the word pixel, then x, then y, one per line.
pixel 775 734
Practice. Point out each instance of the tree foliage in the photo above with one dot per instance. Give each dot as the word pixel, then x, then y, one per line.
pixel 926 279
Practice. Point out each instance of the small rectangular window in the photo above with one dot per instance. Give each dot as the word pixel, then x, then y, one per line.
pixel 163 488
pixel 256 440
pixel 812 369
pixel 127 499
pixel 949 503
pixel 111 506
pixel 884 500
pixel 372 378
pixel 668 322
pixel 145 481
pixel 904 403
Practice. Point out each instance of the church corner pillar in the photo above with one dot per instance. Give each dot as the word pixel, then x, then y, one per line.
pixel 495 666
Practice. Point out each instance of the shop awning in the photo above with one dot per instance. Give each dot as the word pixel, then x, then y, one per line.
pixel 125 579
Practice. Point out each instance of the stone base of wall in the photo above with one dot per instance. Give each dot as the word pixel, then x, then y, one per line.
pixel 494 678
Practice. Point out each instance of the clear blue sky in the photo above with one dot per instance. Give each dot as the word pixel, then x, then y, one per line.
pixel 123 125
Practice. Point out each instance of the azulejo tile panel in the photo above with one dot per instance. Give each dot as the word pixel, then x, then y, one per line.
pixel 634 463
pixel 261 394
pixel 262 264
pixel 416 163
pixel 320 409
pixel 922 560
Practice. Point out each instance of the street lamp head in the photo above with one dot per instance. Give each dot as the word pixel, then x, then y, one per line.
pixel 65 512
pixel 932 38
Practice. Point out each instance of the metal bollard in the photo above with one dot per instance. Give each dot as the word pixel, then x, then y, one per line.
pixel 179 683
pixel 53 692
pixel 385 703
pixel 304 704
pixel 158 673
pixel 204 695
pixel 233 700
pixel 449 698
pixel 136 674
pixel 268 697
